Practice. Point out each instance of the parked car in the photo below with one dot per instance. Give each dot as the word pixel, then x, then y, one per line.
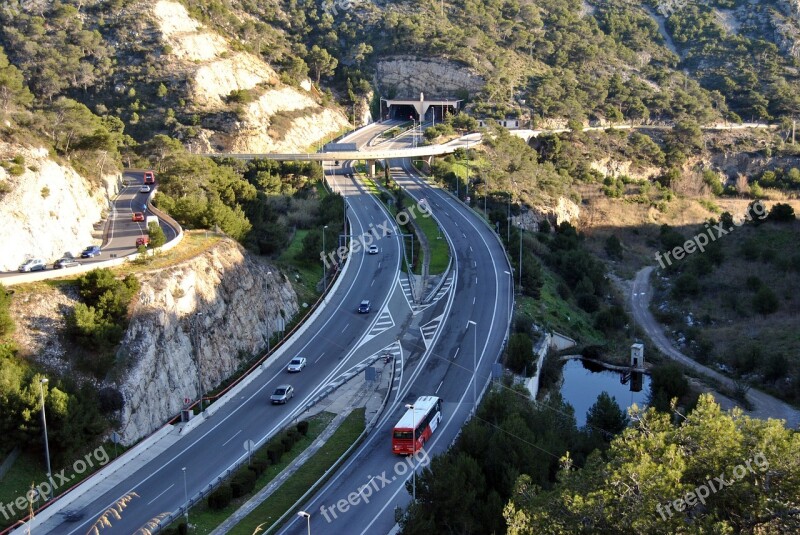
pixel 144 189
pixel 373 249
pixel 91 251
pixel 32 264
pixel 143 240
pixel 149 177
pixel 364 307
pixel 137 216
pixel 65 262
pixel 282 394
pixel 297 364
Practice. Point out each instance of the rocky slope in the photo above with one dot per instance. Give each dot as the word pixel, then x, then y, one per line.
pixel 47 208
pixel 217 310
pixel 280 118
pixel 220 307
pixel 408 76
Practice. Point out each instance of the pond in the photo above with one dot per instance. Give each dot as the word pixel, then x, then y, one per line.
pixel 584 381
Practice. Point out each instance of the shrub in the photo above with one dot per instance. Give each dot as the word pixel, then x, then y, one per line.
pixel 275 452
pixel 183 528
pixel 287 441
pixel 258 466
pixel 302 427
pixel 765 301
pixel 294 434
pixel 221 497
pixel 243 482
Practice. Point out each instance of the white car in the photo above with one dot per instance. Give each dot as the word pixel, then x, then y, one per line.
pixel 373 249
pixel 297 364
pixel 144 189
pixel 34 264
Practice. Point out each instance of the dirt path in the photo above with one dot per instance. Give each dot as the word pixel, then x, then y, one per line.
pixel 764 405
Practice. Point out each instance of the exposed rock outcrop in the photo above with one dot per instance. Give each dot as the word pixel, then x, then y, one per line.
pixel 280 118
pixel 564 211
pixel 47 208
pixel 410 76
pixel 218 308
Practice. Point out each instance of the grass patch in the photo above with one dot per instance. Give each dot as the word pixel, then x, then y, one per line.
pixel 439 249
pixel 206 519
pixel 30 469
pixel 554 313
pixel 308 474
pixel 304 277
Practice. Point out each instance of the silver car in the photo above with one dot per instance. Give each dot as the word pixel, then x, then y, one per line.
pixel 33 264
pixel 282 394
pixel 297 364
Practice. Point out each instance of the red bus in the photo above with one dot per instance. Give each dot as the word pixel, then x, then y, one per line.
pixel 149 177
pixel 417 425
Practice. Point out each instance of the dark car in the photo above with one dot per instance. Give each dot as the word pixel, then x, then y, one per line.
pixel 65 263
pixel 364 307
pixel 143 240
pixel 91 251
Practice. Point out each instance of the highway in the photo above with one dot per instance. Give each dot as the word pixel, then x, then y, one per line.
pixel 435 353
pixel 340 339
pixel 121 231
pixel 480 292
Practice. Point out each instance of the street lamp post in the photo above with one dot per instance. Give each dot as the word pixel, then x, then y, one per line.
pixel 42 381
pixel 413 450
pixel 324 271
pixel 185 498
pixel 474 363
pixel 307 516
pixel 521 230
pixel 508 221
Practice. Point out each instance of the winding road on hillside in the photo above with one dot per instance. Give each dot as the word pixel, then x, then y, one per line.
pixel 119 233
pixel 469 320
pixel 764 405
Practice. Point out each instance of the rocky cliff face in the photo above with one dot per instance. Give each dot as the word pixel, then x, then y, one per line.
pixel 47 209
pixel 280 118
pixel 409 77
pixel 217 310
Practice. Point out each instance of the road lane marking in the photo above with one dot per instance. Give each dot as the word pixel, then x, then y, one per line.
pixel 438 387
pixel 345 327
pixel 160 495
pixel 319 357
pixel 234 436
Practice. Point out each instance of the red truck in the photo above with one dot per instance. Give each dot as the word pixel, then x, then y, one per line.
pixel 149 177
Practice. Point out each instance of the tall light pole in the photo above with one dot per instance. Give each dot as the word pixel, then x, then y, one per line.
pixel 307 516
pixel 474 364
pixel 324 271
pixel 508 221
pixel 185 498
pixel 42 381
pixel 199 362
pixel 521 230
pixel 413 450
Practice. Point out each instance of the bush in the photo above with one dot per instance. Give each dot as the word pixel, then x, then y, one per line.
pixel 294 434
pixel 183 528
pixel 258 466
pixel 221 497
pixel 519 356
pixel 765 301
pixel 288 441
pixel 242 483
pixel 302 427
pixel 782 213
pixel 275 452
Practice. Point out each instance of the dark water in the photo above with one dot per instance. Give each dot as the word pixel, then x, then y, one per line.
pixel 584 381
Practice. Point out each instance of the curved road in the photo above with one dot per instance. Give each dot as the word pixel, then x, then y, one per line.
pixel 479 291
pixel 764 405
pixel 120 229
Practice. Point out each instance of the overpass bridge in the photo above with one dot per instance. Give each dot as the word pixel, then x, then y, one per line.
pixel 369 154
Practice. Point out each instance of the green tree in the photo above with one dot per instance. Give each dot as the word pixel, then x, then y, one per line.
pixel 605 419
pixel 519 356
pixel 613 247
pixel 156 234
pixel 765 302
pixel 13 90
pixel 667 382
pixel 321 62
pixel 653 464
